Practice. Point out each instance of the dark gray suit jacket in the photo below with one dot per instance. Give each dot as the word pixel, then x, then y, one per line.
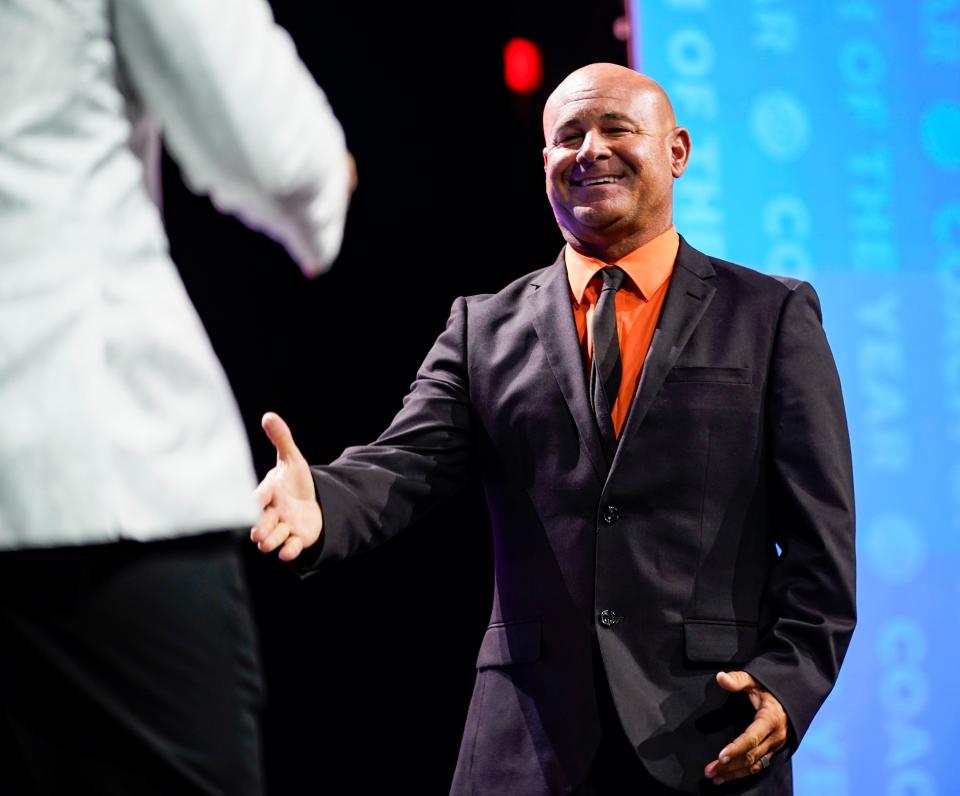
pixel 736 443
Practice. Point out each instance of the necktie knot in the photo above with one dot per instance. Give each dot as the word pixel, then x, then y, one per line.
pixel 613 277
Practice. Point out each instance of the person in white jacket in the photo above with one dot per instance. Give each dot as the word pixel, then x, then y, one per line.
pixel 129 660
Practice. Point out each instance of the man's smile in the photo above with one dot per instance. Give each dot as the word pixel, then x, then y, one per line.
pixel 601 179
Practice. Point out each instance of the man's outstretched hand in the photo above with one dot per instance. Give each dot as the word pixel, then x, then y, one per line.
pixel 290 517
pixel 765 736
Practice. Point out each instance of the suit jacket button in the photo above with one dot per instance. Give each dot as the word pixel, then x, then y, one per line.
pixel 609 618
pixel 611 514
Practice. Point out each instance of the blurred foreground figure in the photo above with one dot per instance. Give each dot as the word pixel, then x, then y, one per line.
pixel 650 424
pixel 130 664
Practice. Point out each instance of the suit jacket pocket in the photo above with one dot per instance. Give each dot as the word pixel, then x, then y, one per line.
pixel 718 640
pixel 710 375
pixel 505 643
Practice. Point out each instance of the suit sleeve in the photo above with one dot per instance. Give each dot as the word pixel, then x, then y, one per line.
pixel 371 492
pixel 242 116
pixel 809 610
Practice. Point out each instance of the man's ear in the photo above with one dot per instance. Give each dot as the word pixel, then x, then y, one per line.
pixel 679 150
pixel 544 158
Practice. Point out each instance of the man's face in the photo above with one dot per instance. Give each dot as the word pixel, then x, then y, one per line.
pixel 610 158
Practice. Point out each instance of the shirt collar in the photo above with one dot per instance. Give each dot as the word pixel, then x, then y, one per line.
pixel 647 266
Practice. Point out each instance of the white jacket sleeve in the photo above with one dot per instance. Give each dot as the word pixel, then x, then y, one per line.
pixel 242 116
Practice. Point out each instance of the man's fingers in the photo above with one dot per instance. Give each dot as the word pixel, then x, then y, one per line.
pixel 737 773
pixel 291 548
pixel 742 756
pixel 265 525
pixel 747 764
pixel 748 740
pixel 279 433
pixel 735 681
pixel 275 538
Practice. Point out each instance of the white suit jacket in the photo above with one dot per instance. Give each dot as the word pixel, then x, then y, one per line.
pixel 116 420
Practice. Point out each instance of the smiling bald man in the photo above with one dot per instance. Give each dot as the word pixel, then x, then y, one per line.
pixel 662 441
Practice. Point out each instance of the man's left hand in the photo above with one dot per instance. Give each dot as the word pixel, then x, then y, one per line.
pixel 765 736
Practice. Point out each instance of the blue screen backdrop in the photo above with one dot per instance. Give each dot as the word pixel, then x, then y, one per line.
pixel 826 145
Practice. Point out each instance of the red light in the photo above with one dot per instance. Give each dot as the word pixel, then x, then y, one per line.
pixel 522 66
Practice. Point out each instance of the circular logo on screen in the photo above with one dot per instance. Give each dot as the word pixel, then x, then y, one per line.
pixel 940 134
pixel 780 125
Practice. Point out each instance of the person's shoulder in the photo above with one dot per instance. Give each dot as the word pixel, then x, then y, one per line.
pixel 745 278
pixel 508 296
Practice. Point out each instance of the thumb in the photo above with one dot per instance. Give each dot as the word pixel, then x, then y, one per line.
pixel 735 681
pixel 279 433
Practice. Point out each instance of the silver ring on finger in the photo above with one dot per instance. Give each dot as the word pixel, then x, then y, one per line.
pixel 765 761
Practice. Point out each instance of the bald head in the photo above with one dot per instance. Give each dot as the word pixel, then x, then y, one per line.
pixel 598 79
pixel 612 151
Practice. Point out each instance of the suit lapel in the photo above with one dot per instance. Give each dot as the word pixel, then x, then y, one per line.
pixel 553 320
pixel 688 297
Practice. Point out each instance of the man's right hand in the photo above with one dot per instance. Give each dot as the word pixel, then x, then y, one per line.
pixel 290 516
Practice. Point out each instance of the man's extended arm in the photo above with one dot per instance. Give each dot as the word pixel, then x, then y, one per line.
pixel 372 492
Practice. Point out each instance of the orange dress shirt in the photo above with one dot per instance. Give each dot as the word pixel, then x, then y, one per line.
pixel 638 304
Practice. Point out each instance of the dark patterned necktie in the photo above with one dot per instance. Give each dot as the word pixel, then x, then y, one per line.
pixel 607 371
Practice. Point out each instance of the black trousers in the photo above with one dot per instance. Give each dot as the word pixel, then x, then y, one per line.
pixel 129 668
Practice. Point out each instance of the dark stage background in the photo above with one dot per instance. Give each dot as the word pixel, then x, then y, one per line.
pixel 374 658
